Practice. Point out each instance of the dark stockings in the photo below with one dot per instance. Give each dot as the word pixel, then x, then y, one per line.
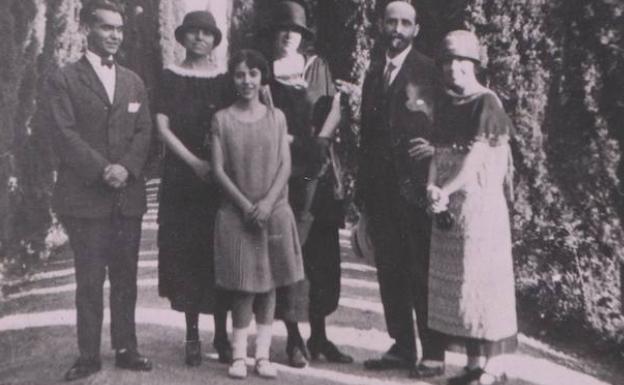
pixel 192 327
pixel 294 335
pixel 220 321
pixel 317 328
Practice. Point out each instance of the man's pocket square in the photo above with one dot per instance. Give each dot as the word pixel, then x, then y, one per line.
pixel 133 107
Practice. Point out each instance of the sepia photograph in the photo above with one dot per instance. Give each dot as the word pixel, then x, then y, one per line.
pixel 336 192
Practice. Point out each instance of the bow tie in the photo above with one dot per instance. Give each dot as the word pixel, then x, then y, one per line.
pixel 108 62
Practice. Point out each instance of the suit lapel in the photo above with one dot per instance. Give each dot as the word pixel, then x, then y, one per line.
pixel 122 89
pixel 91 80
pixel 373 83
pixel 401 77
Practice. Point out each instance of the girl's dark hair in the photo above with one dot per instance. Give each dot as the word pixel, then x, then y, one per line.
pixel 253 59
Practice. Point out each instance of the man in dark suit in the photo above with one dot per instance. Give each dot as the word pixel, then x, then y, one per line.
pixel 397 109
pixel 101 126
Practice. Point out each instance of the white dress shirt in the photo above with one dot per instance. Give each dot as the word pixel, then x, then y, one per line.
pixel 106 75
pixel 397 62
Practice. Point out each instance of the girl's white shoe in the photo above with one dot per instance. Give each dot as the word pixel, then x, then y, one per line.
pixel 238 369
pixel 265 368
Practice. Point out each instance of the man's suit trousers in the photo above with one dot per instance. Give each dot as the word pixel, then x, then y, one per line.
pixel 401 233
pixel 99 244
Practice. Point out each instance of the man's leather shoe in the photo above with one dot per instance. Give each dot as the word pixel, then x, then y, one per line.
pixel 83 368
pixel 132 360
pixel 394 358
pixel 424 371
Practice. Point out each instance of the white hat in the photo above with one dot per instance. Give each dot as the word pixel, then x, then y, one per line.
pixel 461 44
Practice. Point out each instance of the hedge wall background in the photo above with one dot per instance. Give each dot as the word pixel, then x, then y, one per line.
pixel 558 66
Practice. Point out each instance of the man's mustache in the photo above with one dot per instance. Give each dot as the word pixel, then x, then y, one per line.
pixel 397 36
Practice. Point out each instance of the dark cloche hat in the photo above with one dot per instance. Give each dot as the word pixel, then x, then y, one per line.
pixel 291 15
pixel 202 20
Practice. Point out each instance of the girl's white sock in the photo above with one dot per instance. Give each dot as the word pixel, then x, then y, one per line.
pixel 263 340
pixel 239 343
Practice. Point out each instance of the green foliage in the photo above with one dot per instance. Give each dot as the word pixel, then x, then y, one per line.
pixel 243 23
pixel 20 46
pixel 141 51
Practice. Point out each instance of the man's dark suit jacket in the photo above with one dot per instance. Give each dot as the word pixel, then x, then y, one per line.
pixel 90 133
pixel 389 122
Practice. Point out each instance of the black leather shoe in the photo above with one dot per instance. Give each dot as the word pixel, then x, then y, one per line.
pixel 193 355
pixel 132 360
pixel 297 354
pixel 224 350
pixel 467 376
pixel 329 350
pixel 83 368
pixel 423 371
pixel 394 358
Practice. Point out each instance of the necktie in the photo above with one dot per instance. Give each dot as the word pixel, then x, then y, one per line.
pixel 108 62
pixel 387 76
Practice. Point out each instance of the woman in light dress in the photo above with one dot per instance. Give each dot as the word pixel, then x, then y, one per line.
pixel 471 281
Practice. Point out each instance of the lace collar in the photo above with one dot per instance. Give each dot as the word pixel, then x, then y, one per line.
pixel 195 73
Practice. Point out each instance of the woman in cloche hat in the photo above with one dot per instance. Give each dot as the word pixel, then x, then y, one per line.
pixel 471 281
pixel 190 93
pixel 315 185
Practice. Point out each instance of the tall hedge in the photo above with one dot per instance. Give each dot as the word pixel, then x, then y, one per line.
pixel 20 27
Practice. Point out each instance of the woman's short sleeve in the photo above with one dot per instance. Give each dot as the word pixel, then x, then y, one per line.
pixel 280 122
pixel 165 96
pixel 215 125
pixel 494 126
pixel 319 78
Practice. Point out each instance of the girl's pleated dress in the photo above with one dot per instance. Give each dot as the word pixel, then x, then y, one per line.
pixel 248 258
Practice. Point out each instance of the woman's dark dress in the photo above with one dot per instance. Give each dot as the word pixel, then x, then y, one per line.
pixel 321 251
pixel 188 205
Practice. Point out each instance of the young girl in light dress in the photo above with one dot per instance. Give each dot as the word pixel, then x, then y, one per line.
pixel 256 244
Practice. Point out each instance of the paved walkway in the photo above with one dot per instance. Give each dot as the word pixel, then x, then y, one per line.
pixel 37 335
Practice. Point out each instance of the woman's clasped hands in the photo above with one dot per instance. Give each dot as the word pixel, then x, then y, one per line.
pixel 257 215
pixel 202 169
pixel 438 199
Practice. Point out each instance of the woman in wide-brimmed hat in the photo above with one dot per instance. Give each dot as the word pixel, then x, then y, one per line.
pixel 190 93
pixel 471 281
pixel 299 81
